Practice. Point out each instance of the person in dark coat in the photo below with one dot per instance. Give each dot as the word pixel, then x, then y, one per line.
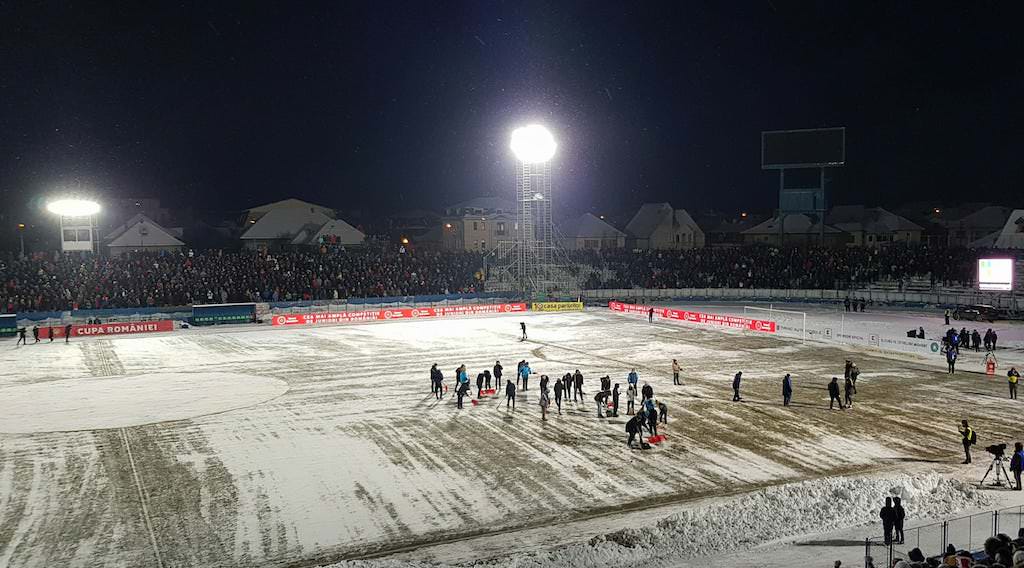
pixel 67 333
pixel 1017 463
pixel 787 390
pixel 544 379
pixel 901 514
pixel 647 392
pixel 846 370
pixel 463 390
pixel 601 398
pixel 522 326
pixel 988 339
pixel 651 413
pixel 854 373
pixel 615 400
pixel 634 427
pixel 35 333
pixel 863 305
pixel 479 385
pixel 888 516
pixel 976 340
pixel 567 387
pixel 951 355
pixel 434 383
pixel 22 338
pixel 736 386
pixel 662 412
pixel 558 388
pixel 49 333
pixel 487 379
pixel 497 373
pixel 650 315
pixel 510 395
pixel 967 438
pixel 578 385
pixel 848 391
pixel 995 338
pixel 833 394
pixel 606 383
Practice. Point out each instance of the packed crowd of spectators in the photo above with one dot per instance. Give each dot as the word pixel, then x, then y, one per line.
pixel 44 283
pixel 47 282
pixel 773 267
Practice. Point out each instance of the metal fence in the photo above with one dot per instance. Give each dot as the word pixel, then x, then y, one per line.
pixel 968 532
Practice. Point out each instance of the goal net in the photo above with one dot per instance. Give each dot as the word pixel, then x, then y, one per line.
pixel 787 322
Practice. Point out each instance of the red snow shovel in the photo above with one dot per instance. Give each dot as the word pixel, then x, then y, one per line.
pixel 656 439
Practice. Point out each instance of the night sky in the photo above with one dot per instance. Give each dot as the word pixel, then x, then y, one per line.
pixel 397 105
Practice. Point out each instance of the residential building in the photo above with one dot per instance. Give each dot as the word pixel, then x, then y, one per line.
pixel 657 226
pixel 140 233
pixel 478 224
pixel 590 233
pixel 796 229
pixel 873 226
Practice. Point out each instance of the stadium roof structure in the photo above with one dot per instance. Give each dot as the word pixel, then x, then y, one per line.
pixel 1012 235
pixel 285 223
pixel 141 231
pixel 652 216
pixel 590 227
pixel 857 218
pixel 794 224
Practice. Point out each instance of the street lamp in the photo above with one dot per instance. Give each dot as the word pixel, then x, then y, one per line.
pixel 77 222
pixel 21 237
pixel 533 144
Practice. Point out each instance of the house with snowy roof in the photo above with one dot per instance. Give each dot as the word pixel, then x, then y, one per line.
pixel 140 233
pixel 590 233
pixel 658 226
pixel 873 226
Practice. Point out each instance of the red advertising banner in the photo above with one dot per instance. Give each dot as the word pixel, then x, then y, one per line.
pixel 109 328
pixel 735 322
pixel 395 314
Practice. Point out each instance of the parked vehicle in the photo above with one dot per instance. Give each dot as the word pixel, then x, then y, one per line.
pixel 977 312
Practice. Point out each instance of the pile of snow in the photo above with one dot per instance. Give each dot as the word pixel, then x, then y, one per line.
pixel 723 525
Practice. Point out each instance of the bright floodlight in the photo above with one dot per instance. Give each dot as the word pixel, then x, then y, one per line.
pixel 533 144
pixel 73 207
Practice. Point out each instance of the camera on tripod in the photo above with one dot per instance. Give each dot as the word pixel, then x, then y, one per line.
pixel 997 450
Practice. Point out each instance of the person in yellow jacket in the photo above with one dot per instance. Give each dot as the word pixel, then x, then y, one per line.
pixel 1012 376
pixel 968 438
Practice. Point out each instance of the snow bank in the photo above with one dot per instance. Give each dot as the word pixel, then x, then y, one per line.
pixel 771 514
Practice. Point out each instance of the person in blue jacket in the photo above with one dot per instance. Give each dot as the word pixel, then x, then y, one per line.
pixel 632 378
pixel 1017 462
pixel 525 373
pixel 736 386
pixel 787 390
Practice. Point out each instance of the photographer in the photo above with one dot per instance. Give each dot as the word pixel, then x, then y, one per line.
pixel 968 438
pixel 1017 463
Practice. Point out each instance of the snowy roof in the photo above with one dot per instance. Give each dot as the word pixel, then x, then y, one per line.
pixel 1012 234
pixel 285 223
pixel 141 231
pixel 651 216
pixel 346 234
pixel 983 217
pixel 486 203
pixel 289 204
pixel 871 219
pixel 589 226
pixel 794 225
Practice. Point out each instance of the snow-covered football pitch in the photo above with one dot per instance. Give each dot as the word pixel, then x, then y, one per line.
pixel 258 446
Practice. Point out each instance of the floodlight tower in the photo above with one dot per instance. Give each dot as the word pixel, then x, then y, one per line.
pixel 534 146
pixel 77 223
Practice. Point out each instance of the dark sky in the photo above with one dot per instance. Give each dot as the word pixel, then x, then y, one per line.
pixel 410 104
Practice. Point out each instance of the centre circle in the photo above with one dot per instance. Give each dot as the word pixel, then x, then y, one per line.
pixel 96 403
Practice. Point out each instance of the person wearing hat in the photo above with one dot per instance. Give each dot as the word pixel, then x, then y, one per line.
pixel 1017 463
pixel 967 438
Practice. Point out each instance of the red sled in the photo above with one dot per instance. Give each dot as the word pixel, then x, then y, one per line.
pixel 610 405
pixel 656 439
pixel 475 402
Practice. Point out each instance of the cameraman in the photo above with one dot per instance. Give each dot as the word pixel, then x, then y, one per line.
pixel 968 438
pixel 1017 462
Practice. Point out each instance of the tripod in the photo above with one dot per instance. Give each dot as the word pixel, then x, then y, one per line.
pixel 997 464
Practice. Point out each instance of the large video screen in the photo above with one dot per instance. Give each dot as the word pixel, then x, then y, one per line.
pixel 995 274
pixel 803 148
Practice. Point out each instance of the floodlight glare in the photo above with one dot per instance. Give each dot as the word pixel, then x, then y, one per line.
pixel 73 207
pixel 533 144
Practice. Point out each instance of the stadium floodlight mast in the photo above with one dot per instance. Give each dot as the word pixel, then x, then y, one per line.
pixel 77 222
pixel 533 144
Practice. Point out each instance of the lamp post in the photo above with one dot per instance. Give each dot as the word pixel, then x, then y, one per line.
pixel 21 237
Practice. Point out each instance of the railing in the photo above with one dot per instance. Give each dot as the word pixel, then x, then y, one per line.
pixel 1004 301
pixel 968 532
